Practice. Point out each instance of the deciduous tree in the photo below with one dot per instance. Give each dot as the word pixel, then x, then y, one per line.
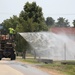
pixel 50 21
pixel 73 23
pixel 61 22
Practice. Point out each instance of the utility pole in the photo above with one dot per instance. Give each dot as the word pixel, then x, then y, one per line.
pixel 65 51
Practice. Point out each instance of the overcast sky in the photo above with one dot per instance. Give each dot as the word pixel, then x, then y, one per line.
pixel 51 8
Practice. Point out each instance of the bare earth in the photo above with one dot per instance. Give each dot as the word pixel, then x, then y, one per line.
pixel 50 71
pixel 7 70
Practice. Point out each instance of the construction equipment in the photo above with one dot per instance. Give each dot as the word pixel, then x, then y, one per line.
pixel 7 46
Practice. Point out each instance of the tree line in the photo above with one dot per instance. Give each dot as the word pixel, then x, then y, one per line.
pixel 31 19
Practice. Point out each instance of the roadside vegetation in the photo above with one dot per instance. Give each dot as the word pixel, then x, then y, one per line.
pixel 56 66
pixel 65 69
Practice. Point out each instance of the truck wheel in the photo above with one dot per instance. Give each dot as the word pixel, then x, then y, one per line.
pixel 13 57
pixel 0 57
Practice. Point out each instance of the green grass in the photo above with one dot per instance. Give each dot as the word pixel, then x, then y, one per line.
pixel 65 69
pixel 29 60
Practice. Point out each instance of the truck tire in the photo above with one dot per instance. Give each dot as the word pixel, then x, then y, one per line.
pixel 0 57
pixel 13 57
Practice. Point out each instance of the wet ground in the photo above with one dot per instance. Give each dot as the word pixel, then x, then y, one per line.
pixel 8 67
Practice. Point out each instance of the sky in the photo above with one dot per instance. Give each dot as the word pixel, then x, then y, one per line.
pixel 50 8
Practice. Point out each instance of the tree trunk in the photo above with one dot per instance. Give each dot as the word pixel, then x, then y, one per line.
pixel 34 54
pixel 24 54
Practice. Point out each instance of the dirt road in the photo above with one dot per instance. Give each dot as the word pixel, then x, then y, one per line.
pixel 8 67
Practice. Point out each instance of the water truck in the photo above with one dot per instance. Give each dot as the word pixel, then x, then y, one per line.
pixel 7 46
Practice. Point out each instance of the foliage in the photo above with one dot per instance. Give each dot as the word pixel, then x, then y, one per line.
pixel 50 21
pixel 62 22
pixel 22 44
pixel 31 10
pixel 12 22
pixel 33 16
pixel 73 23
